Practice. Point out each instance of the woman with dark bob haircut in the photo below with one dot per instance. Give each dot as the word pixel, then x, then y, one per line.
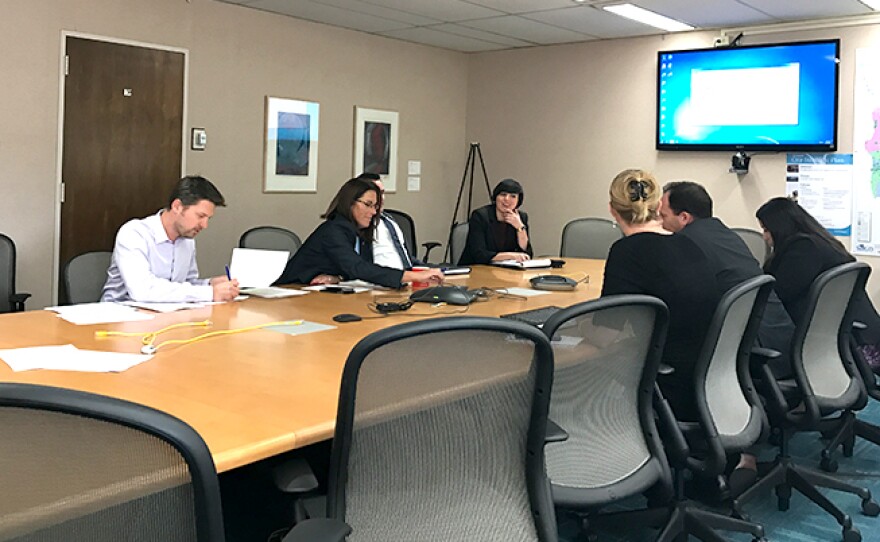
pixel 803 250
pixel 499 231
pixel 342 247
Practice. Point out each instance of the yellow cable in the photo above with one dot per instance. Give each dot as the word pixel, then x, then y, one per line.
pixel 147 338
pixel 150 348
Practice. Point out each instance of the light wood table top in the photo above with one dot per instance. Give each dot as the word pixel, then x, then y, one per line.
pixel 260 393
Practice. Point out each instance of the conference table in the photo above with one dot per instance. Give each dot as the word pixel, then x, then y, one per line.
pixel 259 393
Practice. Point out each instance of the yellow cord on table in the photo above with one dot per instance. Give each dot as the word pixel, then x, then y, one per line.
pixel 149 338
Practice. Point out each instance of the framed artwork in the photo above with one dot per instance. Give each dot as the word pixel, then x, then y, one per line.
pixel 290 151
pixel 375 144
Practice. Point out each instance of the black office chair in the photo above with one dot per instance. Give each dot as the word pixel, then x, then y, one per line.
pixel 589 238
pixel 457 242
pixel 756 243
pixel 440 435
pixel 826 384
pixel 271 238
pixel 87 468
pixel 408 228
pixel 606 356
pixel 84 276
pixel 10 300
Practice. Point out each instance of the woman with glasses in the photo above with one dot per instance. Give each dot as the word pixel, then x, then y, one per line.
pixel 499 231
pixel 342 247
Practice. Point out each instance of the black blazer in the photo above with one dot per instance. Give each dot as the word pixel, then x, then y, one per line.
pixel 481 247
pixel 330 250
pixel 797 263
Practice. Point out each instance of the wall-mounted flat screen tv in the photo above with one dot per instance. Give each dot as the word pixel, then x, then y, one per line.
pixel 780 97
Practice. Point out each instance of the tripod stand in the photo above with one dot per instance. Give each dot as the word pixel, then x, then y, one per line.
pixel 466 178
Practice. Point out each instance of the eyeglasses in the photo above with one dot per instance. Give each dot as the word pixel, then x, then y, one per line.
pixel 368 204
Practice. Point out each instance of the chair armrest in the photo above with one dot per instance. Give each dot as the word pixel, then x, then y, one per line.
pixel 318 530
pixel 294 476
pixel 17 301
pixel 429 246
pixel 676 446
pixel 555 433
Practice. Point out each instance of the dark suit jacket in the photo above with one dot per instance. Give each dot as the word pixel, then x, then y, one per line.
pixel 330 250
pixel 798 262
pixel 734 263
pixel 481 246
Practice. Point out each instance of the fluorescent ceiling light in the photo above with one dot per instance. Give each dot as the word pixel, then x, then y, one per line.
pixel 647 17
pixel 873 4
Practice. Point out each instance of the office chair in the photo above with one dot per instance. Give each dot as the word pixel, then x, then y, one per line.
pixel 589 238
pixel 10 300
pixel 271 238
pixel 755 241
pixel 88 468
pixel 457 241
pixel 84 276
pixel 440 435
pixel 606 355
pixel 408 228
pixel 825 384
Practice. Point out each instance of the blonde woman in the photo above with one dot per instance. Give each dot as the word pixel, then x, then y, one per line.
pixel 649 260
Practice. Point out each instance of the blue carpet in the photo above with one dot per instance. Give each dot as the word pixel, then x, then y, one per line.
pixel 804 521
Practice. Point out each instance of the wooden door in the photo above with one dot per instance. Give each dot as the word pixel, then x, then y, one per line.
pixel 123 126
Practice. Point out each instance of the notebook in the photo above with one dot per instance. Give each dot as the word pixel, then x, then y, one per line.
pixel 528 264
pixel 271 292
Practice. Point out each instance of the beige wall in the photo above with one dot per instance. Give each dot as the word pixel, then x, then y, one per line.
pixel 565 119
pixel 237 56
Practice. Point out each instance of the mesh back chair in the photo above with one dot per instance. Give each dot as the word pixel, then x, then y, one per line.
pixel 603 388
pixel 271 238
pixel 843 432
pixel 440 434
pixel 826 383
pixel 10 300
pixel 756 243
pixel 589 238
pixel 408 228
pixel 80 467
pixel 457 241
pixel 85 275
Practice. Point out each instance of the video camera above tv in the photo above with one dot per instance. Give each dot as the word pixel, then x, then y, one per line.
pixel 780 97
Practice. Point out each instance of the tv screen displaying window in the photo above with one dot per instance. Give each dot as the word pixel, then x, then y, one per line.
pixel 779 97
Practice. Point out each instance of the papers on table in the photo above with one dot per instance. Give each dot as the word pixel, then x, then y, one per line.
pixel 69 358
pixel 255 268
pixel 272 292
pixel 528 264
pixel 336 287
pixel 164 307
pixel 86 314
pixel 526 292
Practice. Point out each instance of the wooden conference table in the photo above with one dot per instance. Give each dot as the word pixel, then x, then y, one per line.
pixel 257 394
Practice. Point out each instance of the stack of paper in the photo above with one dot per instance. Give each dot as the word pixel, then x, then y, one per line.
pixel 69 358
pixel 528 264
pixel 86 314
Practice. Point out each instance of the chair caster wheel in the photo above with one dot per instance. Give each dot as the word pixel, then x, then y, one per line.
pixel 828 465
pixel 852 535
pixel 870 508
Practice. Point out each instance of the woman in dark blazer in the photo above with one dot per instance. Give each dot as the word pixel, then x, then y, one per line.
pixel 342 247
pixel 499 231
pixel 803 250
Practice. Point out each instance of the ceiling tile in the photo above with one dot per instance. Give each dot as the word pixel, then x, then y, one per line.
pixel 322 13
pixel 523 6
pixel 712 14
pixel 794 10
pixel 453 28
pixel 429 36
pixel 443 10
pixel 526 29
pixel 592 21
pixel 360 6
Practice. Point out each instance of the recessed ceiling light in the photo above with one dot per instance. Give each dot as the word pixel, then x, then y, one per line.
pixel 873 4
pixel 647 17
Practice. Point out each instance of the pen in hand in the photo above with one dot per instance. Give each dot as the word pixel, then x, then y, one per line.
pixel 228 275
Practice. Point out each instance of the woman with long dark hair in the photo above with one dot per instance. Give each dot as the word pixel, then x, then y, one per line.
pixel 803 250
pixel 342 247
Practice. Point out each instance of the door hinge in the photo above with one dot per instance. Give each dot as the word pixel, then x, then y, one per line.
pixel 63 187
pixel 66 65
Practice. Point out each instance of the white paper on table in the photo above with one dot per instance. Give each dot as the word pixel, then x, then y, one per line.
pixel 69 358
pixel 273 292
pixel 358 283
pixel 256 268
pixel 322 287
pixel 526 292
pixel 99 313
pixel 164 307
pixel 526 264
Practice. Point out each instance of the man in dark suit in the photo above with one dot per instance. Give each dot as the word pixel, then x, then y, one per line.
pixel 686 209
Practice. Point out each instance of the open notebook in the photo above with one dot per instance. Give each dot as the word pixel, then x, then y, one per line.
pixel 528 264
pixel 257 269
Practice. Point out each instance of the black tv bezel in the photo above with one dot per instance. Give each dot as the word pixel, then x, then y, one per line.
pixel 789 147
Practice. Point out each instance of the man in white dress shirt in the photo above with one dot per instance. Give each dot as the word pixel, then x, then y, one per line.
pixel 389 247
pixel 154 259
